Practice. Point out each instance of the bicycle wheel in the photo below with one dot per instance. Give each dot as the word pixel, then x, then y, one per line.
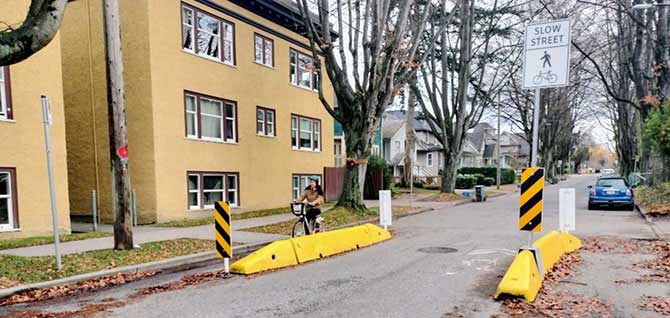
pixel 299 229
pixel 552 78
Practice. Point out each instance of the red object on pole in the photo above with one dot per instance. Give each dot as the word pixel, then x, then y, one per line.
pixel 122 152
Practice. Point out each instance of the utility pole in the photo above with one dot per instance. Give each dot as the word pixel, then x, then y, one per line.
pixel 498 147
pixel 118 133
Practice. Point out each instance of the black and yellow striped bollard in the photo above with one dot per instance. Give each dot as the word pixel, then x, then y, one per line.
pixel 222 233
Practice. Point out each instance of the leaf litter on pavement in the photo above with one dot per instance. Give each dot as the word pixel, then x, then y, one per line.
pixel 552 302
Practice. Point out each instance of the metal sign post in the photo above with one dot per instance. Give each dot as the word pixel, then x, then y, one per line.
pixel 546 63
pixel 46 116
pixel 222 233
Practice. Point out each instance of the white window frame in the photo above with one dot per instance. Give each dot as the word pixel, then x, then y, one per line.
pixel 220 119
pixel 232 120
pixel 226 36
pixel 265 42
pixel 219 37
pixel 193 113
pixel 314 126
pixel 4 94
pixel 11 223
pixel 196 191
pixel 222 191
pixel 298 69
pixel 192 26
pixel 429 159
pixel 229 190
pixel 268 128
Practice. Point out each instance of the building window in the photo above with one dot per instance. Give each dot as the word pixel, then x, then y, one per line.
pixel 305 133
pixel 207 188
pixel 205 34
pixel 339 159
pixel 265 121
pixel 263 50
pixel 209 118
pixel 5 101
pixel 429 158
pixel 8 200
pixel 303 73
pixel 301 181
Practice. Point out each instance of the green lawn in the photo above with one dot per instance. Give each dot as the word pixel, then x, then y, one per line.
pixel 332 218
pixel 18 269
pixel 236 216
pixel 42 240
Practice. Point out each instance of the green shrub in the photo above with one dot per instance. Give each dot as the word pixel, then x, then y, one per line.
pixel 507 175
pixel 488 181
pixel 465 181
pixel 480 178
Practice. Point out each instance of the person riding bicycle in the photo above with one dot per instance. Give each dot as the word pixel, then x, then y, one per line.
pixel 314 196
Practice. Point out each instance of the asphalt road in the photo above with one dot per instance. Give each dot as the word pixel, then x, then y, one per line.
pixel 438 262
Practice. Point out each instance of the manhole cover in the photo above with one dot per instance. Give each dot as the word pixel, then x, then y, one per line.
pixel 437 250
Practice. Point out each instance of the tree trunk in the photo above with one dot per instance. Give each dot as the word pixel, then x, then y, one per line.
pixel 449 174
pixel 118 139
pixel 410 138
pixel 351 194
pixel 37 30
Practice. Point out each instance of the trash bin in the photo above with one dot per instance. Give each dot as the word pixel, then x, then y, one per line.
pixel 480 193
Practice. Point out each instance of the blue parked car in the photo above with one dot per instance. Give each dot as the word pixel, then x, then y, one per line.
pixel 611 191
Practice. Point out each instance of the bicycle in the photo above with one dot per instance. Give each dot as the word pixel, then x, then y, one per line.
pixel 303 226
pixel 548 76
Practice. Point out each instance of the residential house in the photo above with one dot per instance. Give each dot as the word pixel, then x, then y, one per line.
pixel 25 208
pixel 221 101
pixel 474 145
pixel 340 151
pixel 428 158
pixel 514 151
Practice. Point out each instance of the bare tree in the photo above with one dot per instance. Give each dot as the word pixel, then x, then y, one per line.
pixel 376 50
pixel 37 30
pixel 410 136
pixel 118 132
pixel 456 78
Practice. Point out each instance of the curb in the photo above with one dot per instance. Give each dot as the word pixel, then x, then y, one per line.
pixel 650 221
pixel 167 265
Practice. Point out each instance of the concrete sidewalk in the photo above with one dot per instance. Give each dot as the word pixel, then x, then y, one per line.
pixel 146 234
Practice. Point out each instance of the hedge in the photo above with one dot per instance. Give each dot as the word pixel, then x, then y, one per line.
pixel 465 182
pixel 507 175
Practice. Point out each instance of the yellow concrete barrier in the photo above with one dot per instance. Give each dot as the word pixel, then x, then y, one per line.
pixel 570 242
pixel 275 255
pixel 522 278
pixel 551 249
pixel 303 249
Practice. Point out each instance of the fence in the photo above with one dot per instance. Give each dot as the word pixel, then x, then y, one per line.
pixel 333 181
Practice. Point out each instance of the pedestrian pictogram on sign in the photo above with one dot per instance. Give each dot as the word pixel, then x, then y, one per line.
pixel 531 203
pixel 222 230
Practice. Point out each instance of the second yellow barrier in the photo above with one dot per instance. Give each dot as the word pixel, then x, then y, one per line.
pixel 303 249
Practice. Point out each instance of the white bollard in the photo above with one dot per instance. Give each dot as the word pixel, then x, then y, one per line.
pixel 566 209
pixel 385 209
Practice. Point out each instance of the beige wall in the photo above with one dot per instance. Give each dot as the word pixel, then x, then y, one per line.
pixel 22 141
pixel 84 72
pixel 157 72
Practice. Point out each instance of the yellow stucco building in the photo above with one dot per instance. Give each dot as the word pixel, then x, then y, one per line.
pixel 221 102
pixel 25 208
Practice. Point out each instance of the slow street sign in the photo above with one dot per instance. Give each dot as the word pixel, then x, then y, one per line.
pixel 547 54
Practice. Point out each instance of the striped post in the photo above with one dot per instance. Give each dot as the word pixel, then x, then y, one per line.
pixel 531 203
pixel 222 233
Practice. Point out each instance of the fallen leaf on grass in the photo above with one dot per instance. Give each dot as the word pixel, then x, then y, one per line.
pixel 660 305
pixel 68 290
